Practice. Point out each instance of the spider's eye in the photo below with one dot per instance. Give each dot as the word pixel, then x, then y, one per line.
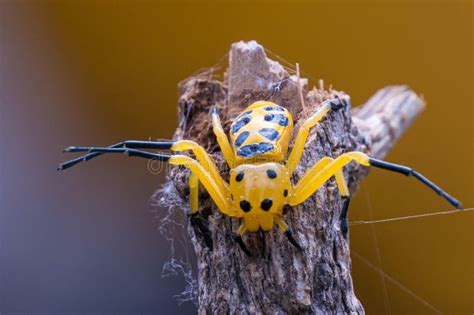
pixel 239 176
pixel 271 174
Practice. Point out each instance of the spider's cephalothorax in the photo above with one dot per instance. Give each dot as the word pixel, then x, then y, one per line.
pixel 260 187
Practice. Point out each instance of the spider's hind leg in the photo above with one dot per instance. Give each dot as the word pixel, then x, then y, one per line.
pixel 195 217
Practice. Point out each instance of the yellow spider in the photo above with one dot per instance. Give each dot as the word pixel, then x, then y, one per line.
pixel 260 185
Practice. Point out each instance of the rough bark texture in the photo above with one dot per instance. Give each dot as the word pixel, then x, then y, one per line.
pixel 279 279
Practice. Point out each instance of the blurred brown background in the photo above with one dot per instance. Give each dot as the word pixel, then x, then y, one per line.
pixel 95 72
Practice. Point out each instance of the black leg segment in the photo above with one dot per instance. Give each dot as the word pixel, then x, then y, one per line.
pixel 242 245
pixel 344 216
pixel 410 172
pixel 197 221
pixel 158 145
pixel 291 239
pixel 126 151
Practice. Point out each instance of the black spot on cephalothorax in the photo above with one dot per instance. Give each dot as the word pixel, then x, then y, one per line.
pixel 271 174
pixel 285 193
pixel 241 138
pixel 269 133
pixel 231 196
pixel 238 124
pixel 245 205
pixel 239 176
pixel 251 150
pixel 277 108
pixel 280 119
pixel 266 204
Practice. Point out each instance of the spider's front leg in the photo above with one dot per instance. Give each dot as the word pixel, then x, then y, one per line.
pixel 177 146
pixel 204 171
pixel 319 173
pixel 341 184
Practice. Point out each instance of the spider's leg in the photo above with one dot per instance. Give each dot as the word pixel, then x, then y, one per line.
pixel 195 217
pixel 315 178
pixel 133 144
pixel 238 239
pixel 343 218
pixel 215 186
pixel 411 172
pixel 343 190
pixel 182 145
pixel 222 139
pixel 346 198
pixel 287 231
pixel 303 132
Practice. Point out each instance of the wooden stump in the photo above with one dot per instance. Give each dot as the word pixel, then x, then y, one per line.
pixel 278 279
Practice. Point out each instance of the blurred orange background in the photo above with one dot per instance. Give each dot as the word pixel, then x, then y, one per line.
pixel 96 72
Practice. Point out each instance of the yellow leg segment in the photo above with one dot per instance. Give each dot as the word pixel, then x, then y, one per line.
pixel 203 158
pixel 193 193
pixel 214 186
pixel 302 135
pixel 317 175
pixel 281 224
pixel 222 139
pixel 242 230
pixel 287 231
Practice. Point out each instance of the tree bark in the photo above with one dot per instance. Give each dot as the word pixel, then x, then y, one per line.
pixel 278 279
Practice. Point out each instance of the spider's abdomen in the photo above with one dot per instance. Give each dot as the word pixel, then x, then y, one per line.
pixel 262 131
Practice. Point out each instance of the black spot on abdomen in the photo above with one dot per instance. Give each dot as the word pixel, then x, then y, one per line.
pixel 241 138
pixel 251 150
pixel 238 124
pixel 269 133
pixel 277 108
pixel 279 119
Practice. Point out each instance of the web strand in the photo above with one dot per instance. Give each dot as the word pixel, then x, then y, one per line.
pixel 386 299
pixel 396 283
pixel 416 216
